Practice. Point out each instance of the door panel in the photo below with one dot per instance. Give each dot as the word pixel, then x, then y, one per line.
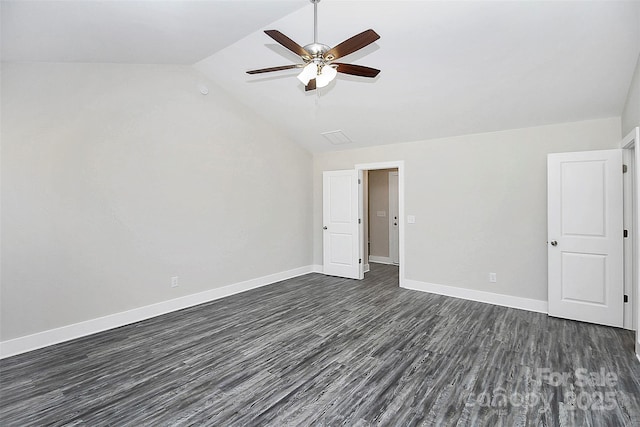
pixel 583 184
pixel 341 245
pixel 582 276
pixel 339 205
pixel 341 252
pixel 585 236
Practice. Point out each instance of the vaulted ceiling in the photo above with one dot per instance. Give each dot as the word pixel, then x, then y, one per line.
pixel 448 68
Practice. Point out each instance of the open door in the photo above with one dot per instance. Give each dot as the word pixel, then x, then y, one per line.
pixel 585 236
pixel 340 210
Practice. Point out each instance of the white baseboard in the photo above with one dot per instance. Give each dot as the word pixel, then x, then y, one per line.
pixel 638 356
pixel 538 306
pixel 380 259
pixel 367 268
pixel 65 333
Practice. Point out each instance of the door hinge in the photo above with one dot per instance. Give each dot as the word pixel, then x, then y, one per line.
pixel 359 181
pixel 360 261
pixel 624 168
pixel 360 222
pixel 625 233
pixel 626 298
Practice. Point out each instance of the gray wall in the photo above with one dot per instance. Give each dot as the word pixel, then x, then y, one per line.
pixel 117 177
pixel 479 201
pixel 631 112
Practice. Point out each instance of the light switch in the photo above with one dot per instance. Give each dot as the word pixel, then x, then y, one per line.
pixel 382 213
pixel 411 219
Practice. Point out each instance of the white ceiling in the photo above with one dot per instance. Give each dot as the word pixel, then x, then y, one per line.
pixel 448 68
pixel 130 31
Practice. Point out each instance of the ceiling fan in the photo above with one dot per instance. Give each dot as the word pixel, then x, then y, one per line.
pixel 318 68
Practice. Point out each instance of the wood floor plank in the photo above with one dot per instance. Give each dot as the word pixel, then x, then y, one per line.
pixel 319 350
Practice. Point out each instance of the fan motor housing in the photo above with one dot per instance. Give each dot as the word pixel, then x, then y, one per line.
pixel 317 50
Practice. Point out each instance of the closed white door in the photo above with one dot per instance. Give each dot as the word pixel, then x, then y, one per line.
pixel 341 243
pixel 394 235
pixel 585 236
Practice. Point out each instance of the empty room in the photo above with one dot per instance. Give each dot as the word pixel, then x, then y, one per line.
pixel 319 213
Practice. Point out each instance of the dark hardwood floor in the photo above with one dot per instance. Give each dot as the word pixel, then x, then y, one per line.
pixel 318 350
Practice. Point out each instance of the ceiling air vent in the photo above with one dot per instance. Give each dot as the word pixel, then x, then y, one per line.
pixel 337 137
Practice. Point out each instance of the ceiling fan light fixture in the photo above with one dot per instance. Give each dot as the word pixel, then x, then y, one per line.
pixel 318 68
pixel 327 74
pixel 309 72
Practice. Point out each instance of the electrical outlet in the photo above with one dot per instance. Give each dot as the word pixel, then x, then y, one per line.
pixel 493 277
pixel 174 282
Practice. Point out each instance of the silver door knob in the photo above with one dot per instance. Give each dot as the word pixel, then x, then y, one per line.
pixel 324 228
pixel 554 243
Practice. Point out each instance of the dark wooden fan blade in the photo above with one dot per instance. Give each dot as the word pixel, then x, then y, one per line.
pixel 356 70
pixel 311 85
pixel 288 43
pixel 268 70
pixel 348 46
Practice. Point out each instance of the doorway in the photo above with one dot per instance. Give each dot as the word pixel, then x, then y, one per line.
pixel 382 217
pixel 631 156
pixel 387 211
pixel 627 202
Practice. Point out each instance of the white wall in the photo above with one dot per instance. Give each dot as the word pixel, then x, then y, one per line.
pixel 631 112
pixel 479 202
pixel 117 177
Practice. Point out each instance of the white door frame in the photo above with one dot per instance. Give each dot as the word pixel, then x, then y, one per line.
pixel 399 164
pixel 629 222
pixel 632 140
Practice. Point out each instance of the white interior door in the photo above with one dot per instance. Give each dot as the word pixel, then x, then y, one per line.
pixel 394 235
pixel 585 236
pixel 341 242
